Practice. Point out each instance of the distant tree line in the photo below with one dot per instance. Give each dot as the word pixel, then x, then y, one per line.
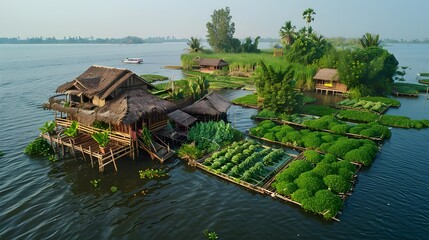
pixel 66 40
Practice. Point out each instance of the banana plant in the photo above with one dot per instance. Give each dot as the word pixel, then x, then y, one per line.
pixel 72 130
pixel 48 127
pixel 102 138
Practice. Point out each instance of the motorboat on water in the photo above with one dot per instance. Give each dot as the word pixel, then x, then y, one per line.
pixel 133 60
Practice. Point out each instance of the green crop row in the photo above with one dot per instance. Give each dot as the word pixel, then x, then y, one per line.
pixel 244 160
pixel 387 120
pixel 372 129
pixel 354 150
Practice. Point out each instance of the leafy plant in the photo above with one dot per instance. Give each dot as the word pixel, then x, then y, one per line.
pixel 53 158
pixel 102 138
pixel 72 131
pixel 47 127
pixel 190 152
pixel 210 235
pixel 39 147
pixel 113 189
pixel 95 182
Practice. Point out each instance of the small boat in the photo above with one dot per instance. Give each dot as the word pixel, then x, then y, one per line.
pixel 133 60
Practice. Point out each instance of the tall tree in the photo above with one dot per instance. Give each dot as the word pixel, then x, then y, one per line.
pixel 370 40
pixel 194 44
pixel 277 89
pixel 287 33
pixel 308 17
pixel 221 30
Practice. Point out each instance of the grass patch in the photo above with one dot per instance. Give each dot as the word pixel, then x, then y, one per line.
pixel 424 74
pixel 318 110
pixel 153 77
pixel 250 99
pixel 409 88
pixel 357 116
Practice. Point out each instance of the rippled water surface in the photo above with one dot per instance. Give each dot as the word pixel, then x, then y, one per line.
pixel 40 199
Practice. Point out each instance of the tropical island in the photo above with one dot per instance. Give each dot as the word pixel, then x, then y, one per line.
pixel 124 112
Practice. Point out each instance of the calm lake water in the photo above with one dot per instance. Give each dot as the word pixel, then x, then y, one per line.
pixel 40 199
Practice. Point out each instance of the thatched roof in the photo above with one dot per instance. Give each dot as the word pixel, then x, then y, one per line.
pixel 99 81
pixel 210 104
pixel 327 74
pixel 182 118
pixel 212 62
pixel 127 108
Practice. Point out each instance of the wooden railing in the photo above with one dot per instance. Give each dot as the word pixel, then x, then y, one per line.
pixel 120 137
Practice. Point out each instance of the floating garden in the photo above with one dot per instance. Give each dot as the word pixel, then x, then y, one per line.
pixel 365 105
pixel 361 151
pixel 329 123
pixel 319 183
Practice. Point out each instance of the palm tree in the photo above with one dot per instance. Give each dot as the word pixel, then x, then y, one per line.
pixel 287 33
pixel 308 16
pixel 195 44
pixel 370 40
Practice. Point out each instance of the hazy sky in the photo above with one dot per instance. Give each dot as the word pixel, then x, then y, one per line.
pixel 185 18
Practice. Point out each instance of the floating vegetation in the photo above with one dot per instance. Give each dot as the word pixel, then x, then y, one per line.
pixel 39 147
pixel 151 173
pixel 210 235
pixel 95 182
pixel 113 189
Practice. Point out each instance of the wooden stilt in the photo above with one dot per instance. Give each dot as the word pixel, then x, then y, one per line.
pixel 113 159
pixel 100 165
pixel 72 149
pixel 83 153
pixel 90 156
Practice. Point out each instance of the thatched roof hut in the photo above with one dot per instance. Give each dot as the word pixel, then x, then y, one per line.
pixel 212 63
pixel 103 82
pixel 210 107
pixel 115 96
pixel 328 79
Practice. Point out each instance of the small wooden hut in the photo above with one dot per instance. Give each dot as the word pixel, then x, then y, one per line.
pixel 211 64
pixel 211 107
pixel 117 97
pixel 278 51
pixel 327 79
pixel 182 120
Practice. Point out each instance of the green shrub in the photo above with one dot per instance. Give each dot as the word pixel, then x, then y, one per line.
pixel 396 121
pixel 344 164
pixel 301 194
pixel 324 201
pixel 337 183
pixel 340 129
pixel 293 137
pixel 270 136
pixel 311 183
pixel 312 156
pixel 358 128
pixel 380 131
pixel 329 158
pixel 360 155
pixel 286 188
pixel 345 173
pixel 340 148
pixel 39 147
pixel 323 169
pixel 325 146
pixel 312 141
pixel 425 122
pixel 265 113
pixel 368 132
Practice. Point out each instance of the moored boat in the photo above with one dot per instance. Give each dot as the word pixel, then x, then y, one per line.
pixel 133 60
